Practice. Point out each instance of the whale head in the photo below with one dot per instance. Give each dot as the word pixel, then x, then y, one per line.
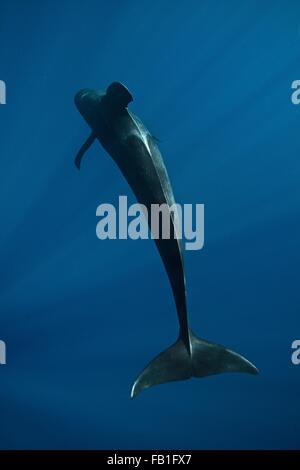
pixel 87 102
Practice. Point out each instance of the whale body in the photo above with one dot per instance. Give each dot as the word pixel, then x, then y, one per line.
pixel 136 152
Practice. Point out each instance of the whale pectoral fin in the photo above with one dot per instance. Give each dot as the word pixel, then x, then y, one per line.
pixel 84 148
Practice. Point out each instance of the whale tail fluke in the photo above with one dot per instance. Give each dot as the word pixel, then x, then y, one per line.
pixel 177 363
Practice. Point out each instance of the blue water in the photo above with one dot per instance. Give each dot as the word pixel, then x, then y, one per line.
pixel 81 317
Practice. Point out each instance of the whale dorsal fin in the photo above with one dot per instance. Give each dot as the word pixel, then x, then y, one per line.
pixel 118 95
pixel 84 148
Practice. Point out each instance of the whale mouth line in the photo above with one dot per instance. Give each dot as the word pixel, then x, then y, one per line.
pixel 83 94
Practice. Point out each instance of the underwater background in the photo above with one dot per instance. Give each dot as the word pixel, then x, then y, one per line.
pixel 81 317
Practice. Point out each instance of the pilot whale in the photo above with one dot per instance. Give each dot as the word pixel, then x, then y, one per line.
pixel 136 152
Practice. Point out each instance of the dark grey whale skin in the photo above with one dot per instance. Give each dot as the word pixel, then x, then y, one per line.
pixel 137 155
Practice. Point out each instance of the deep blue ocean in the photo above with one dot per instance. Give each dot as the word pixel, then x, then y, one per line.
pixel 81 317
